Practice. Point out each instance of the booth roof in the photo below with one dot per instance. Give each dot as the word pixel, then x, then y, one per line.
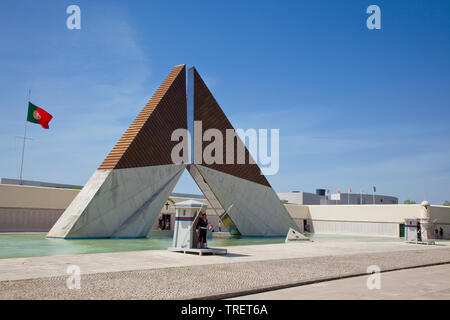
pixel 190 204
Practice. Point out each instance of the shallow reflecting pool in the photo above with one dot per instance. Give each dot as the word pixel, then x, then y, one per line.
pixel 36 244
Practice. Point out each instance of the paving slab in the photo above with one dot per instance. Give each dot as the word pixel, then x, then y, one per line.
pixel 427 283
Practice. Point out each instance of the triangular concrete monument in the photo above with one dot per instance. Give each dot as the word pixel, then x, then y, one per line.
pixel 247 203
pixel 294 235
pixel 124 197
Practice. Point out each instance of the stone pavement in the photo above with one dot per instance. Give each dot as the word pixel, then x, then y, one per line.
pixel 418 283
pixel 50 266
pixel 159 274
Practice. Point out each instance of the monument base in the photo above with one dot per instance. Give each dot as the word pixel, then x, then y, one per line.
pixel 221 235
pixel 427 242
pixel 200 252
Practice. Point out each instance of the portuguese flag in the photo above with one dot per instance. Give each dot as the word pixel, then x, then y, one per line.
pixel 38 115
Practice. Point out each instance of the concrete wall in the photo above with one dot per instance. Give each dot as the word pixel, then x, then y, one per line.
pixel 28 220
pixel 374 220
pixel 377 229
pixel 307 198
pixel 349 220
pixel 27 208
pixel 311 198
pixel 35 183
pixel 292 197
pixel 356 198
pixel 441 213
pixel 367 213
pixel 12 196
pixel 442 216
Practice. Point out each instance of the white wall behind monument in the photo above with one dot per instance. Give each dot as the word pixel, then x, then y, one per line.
pixel 25 208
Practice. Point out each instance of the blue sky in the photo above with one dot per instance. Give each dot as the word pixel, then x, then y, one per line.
pixel 355 107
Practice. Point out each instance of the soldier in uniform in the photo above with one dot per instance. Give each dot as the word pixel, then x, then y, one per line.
pixel 202 228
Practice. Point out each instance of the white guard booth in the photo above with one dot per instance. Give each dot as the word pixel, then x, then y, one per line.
pixel 184 235
pixel 412 230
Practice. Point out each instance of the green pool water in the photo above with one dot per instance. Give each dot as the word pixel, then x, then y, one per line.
pixel 36 244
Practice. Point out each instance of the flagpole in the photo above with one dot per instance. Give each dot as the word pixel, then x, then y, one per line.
pixel 23 152
pixel 23 145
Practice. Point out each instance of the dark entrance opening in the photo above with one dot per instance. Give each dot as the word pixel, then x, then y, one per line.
pixel 402 230
pixel 166 221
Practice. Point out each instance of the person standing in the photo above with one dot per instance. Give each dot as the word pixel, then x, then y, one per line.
pixel 441 233
pixel 167 224
pixel 201 228
pixel 419 232
pixel 220 226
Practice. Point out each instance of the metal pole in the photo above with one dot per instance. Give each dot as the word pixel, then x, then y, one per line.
pixel 24 139
pixel 23 152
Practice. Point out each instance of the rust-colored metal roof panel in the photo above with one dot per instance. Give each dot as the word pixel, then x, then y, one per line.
pixel 207 110
pixel 147 141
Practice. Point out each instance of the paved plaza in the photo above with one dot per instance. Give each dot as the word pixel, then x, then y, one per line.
pixel 159 274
